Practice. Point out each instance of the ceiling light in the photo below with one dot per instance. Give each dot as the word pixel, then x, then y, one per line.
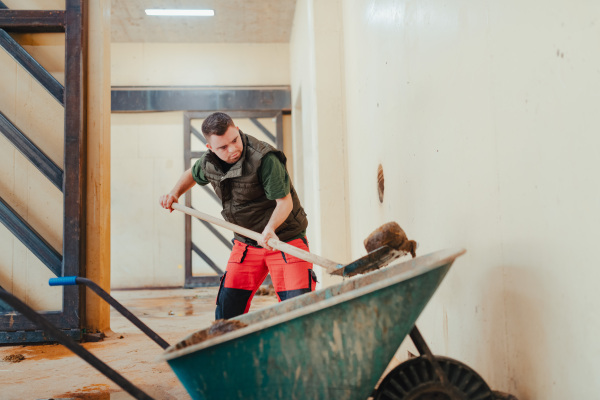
pixel 181 13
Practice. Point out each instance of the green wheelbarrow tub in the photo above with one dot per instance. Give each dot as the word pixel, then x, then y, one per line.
pixel 334 343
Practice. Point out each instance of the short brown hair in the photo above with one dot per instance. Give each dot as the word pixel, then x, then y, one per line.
pixel 216 124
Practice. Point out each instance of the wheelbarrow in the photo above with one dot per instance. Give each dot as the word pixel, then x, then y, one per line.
pixel 334 343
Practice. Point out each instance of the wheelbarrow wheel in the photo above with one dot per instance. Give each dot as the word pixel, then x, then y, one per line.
pixel 416 379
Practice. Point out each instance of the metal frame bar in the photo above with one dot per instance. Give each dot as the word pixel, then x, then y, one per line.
pixel 16 51
pixel 144 99
pixel 198 135
pixel 37 157
pixel 279 130
pixel 263 129
pixel 210 192
pixel 30 238
pixel 74 158
pixel 217 234
pixel 3 306
pixel 36 336
pixel 187 157
pixel 33 21
pixel 206 259
pixel 70 21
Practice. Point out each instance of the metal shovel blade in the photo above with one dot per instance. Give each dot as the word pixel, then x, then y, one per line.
pixel 372 261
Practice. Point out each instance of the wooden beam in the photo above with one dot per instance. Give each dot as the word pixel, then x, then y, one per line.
pixel 30 238
pixel 36 156
pixel 28 21
pixel 97 238
pixel 16 51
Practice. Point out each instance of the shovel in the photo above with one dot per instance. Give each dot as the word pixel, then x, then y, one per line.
pixel 374 260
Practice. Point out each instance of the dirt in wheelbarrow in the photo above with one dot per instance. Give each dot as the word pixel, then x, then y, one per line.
pixel 218 328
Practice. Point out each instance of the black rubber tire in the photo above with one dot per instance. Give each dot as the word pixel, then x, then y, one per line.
pixel 415 379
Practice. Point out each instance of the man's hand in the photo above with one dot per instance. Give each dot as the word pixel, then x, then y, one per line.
pixel 185 183
pixel 280 213
pixel 167 200
pixel 268 233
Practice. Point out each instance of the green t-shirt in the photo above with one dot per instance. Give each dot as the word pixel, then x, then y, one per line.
pixel 272 173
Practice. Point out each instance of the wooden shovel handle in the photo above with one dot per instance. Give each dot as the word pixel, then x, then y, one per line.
pixel 274 243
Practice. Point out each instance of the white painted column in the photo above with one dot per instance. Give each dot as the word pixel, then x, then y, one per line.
pixel 319 126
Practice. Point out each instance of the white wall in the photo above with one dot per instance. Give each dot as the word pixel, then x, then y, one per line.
pixel 191 64
pixel 484 117
pixel 147 153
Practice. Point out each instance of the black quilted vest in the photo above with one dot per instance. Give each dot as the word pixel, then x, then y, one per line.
pixel 242 195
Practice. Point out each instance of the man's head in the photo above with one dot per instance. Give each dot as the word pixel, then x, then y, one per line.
pixel 223 137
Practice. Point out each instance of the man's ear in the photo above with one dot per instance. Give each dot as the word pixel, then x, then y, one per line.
pixel 208 146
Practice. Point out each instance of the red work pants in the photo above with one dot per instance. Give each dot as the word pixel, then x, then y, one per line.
pixel 248 267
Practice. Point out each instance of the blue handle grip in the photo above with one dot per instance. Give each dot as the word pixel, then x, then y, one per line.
pixel 63 281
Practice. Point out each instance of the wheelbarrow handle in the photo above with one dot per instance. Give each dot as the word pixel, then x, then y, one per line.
pixel 75 280
pixel 63 281
pixel 331 266
pixel 69 343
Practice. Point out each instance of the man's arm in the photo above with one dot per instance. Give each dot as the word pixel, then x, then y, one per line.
pixel 185 183
pixel 282 210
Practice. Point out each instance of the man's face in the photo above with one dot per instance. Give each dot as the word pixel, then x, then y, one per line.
pixel 227 147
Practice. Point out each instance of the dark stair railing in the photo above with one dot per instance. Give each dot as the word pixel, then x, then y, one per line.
pixel 70 180
pixel 32 66
pixel 36 156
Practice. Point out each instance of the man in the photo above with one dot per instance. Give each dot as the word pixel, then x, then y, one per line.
pixel 250 178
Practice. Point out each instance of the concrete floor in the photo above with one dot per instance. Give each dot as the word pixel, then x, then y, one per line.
pixel 52 371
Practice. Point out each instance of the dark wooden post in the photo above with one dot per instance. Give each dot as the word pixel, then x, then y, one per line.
pixel 74 158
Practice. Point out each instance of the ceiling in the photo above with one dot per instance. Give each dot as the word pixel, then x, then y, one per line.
pixel 235 21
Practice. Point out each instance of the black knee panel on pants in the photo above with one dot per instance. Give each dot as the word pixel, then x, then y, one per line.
pixel 288 294
pixel 231 302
